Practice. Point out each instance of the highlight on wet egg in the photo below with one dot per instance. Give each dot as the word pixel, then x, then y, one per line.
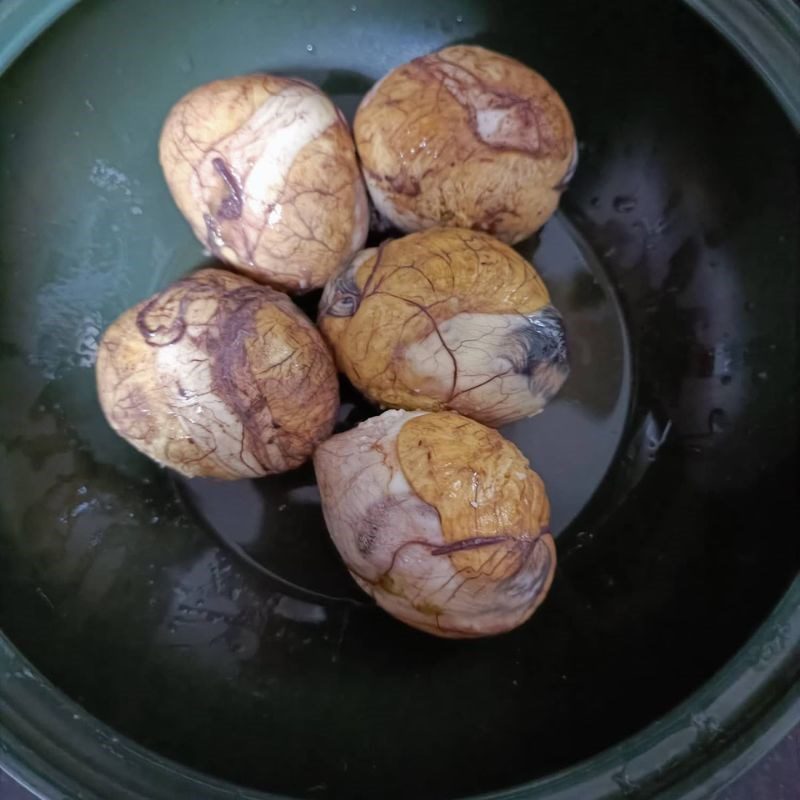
pixel 218 376
pixel 447 319
pixel 265 171
pixel 468 138
pixel 440 519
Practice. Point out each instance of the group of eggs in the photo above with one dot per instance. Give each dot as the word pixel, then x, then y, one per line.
pixel 435 514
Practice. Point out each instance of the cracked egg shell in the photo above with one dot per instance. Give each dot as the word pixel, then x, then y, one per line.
pixel 447 319
pixel 218 376
pixel 265 171
pixel 440 519
pixel 469 138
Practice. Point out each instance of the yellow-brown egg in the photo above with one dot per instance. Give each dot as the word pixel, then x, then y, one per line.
pixel 218 376
pixel 447 319
pixel 265 171
pixel 440 519
pixel 469 138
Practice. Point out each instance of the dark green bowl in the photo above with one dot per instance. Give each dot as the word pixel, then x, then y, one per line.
pixel 167 639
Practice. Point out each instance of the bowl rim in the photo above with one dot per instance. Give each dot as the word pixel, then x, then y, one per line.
pixel 51 746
